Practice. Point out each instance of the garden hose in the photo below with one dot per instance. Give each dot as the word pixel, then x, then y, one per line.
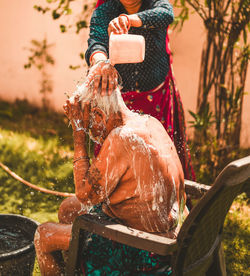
pixel 33 186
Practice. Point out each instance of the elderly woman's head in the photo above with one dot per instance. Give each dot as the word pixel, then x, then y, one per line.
pixel 104 111
pixel 108 104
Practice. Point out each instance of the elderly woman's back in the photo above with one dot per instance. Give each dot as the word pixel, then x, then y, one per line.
pixel 149 195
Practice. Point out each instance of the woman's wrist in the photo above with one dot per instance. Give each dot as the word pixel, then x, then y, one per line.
pixel 82 157
pixel 128 20
pixel 97 57
pixel 77 125
pixel 79 131
pixel 79 136
pixel 134 20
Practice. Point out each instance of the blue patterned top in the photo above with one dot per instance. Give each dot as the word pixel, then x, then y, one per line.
pixel 155 15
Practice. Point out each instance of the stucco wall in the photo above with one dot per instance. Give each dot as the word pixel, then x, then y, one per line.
pixel 19 23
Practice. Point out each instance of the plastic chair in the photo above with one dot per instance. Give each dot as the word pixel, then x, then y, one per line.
pixel 197 249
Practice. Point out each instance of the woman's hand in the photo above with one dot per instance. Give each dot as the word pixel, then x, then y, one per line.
pixel 119 25
pixel 104 74
pixel 79 119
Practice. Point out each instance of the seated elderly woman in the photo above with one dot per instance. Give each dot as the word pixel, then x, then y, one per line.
pixel 136 179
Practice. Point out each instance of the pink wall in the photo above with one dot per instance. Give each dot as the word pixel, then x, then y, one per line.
pixel 19 23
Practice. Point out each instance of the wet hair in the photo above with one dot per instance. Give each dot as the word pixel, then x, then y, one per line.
pixel 108 104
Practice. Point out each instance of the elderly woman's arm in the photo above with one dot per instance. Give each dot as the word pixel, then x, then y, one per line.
pixel 104 173
pixel 80 123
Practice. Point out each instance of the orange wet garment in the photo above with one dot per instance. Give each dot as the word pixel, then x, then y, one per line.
pixel 139 178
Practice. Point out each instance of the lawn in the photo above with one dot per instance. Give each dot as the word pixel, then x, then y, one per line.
pixel 37 145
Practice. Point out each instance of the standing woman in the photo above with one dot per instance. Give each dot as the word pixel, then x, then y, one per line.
pixel 148 87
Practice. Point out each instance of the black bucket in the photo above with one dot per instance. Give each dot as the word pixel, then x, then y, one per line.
pixel 17 251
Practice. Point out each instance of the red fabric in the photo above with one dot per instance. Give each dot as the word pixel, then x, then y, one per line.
pixel 99 3
pixel 164 104
pixel 155 103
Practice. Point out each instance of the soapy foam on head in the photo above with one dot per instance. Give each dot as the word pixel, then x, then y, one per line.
pixel 108 104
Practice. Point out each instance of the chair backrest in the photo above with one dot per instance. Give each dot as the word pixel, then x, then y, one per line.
pixel 200 233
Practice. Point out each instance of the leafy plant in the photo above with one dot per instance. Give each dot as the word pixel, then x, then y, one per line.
pixel 63 8
pixel 5 111
pixel 223 68
pixel 40 58
pixel 202 121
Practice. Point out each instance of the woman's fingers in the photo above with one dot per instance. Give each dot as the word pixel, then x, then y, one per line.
pixel 72 110
pixel 76 99
pixel 123 24
pixel 115 81
pixel 86 112
pixel 89 79
pixel 112 84
pixel 94 71
pixel 97 80
pixel 114 26
pixel 118 25
pixel 105 78
pixel 104 84
pixel 66 109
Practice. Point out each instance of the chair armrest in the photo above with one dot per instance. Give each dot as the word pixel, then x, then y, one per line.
pixel 194 189
pixel 116 232
pixel 125 235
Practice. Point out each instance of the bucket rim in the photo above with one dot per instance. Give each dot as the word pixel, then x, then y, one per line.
pixel 22 250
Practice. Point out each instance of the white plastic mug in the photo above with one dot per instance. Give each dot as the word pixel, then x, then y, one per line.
pixel 126 48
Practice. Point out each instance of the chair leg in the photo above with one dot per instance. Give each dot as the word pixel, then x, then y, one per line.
pixel 72 265
pixel 218 267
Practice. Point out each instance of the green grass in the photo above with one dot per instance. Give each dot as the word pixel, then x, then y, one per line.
pixel 42 162
pixel 37 145
pixel 237 237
